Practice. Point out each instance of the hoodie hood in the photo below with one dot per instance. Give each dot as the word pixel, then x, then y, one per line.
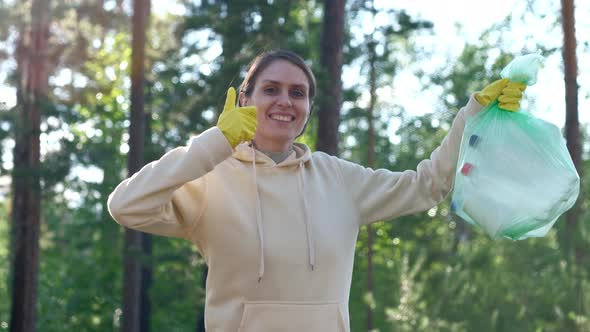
pixel 243 152
pixel 301 154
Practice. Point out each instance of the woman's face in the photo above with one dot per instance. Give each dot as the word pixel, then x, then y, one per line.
pixel 281 97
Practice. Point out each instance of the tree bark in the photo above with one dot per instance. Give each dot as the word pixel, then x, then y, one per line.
pixel 201 313
pixel 32 67
pixel 372 53
pixel 137 245
pixel 371 163
pixel 331 59
pixel 572 124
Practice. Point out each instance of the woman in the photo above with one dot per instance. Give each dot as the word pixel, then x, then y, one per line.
pixel 276 223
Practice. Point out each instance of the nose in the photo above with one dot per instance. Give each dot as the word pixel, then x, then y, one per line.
pixel 285 100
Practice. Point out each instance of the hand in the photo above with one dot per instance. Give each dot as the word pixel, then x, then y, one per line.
pixel 507 92
pixel 238 124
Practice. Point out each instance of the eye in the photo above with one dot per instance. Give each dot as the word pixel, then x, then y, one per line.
pixel 297 93
pixel 270 90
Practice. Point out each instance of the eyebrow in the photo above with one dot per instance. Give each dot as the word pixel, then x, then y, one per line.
pixel 279 83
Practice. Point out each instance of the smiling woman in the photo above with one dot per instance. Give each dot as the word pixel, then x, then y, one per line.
pixel 277 224
pixel 281 87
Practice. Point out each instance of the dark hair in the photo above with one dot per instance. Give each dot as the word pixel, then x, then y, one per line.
pixel 264 59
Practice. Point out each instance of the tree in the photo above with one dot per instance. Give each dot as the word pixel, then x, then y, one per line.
pixel 332 59
pixel 572 123
pixel 69 223
pixel 371 44
pixel 32 62
pixel 573 241
pixel 137 245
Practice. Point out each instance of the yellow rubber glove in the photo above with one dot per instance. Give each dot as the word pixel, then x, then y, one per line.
pixel 507 92
pixel 238 124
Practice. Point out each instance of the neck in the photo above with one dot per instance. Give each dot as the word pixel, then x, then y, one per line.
pixel 273 146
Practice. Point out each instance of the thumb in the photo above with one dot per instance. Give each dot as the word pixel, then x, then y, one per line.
pixel 230 100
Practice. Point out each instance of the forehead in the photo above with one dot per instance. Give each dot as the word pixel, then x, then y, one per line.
pixel 284 72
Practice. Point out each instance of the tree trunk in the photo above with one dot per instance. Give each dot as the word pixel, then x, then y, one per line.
pixel 201 313
pixel 332 59
pixel 32 67
pixel 135 281
pixel 572 124
pixel 146 282
pixel 371 163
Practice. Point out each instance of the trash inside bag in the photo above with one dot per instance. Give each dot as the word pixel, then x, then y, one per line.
pixel 514 175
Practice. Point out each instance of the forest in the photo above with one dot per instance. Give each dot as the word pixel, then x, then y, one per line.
pixel 91 90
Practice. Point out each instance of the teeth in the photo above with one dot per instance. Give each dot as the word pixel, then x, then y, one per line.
pixel 285 118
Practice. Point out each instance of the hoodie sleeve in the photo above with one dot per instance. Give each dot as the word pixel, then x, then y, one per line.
pixel 162 197
pixel 383 194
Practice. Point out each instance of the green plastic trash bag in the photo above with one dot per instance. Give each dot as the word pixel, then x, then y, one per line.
pixel 514 175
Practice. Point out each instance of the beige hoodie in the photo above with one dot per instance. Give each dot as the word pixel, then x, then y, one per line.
pixel 279 239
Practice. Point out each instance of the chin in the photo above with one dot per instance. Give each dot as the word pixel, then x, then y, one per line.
pixel 283 138
pixel 282 135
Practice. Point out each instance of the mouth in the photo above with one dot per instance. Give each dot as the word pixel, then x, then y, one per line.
pixel 282 117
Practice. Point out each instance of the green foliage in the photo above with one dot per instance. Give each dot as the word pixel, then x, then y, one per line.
pixel 79 248
pixel 176 295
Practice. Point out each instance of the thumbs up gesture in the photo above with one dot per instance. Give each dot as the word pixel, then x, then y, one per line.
pixel 238 124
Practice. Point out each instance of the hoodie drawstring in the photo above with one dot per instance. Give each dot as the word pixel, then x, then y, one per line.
pixel 308 229
pixel 258 219
pixel 310 242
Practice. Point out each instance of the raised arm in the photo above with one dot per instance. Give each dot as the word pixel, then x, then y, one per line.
pixel 384 194
pixel 167 196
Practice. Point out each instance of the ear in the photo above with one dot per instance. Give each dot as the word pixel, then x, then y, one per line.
pixel 243 100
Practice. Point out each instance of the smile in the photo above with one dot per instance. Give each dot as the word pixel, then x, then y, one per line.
pixel 282 118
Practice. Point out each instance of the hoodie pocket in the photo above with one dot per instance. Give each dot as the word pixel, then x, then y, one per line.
pixel 292 316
